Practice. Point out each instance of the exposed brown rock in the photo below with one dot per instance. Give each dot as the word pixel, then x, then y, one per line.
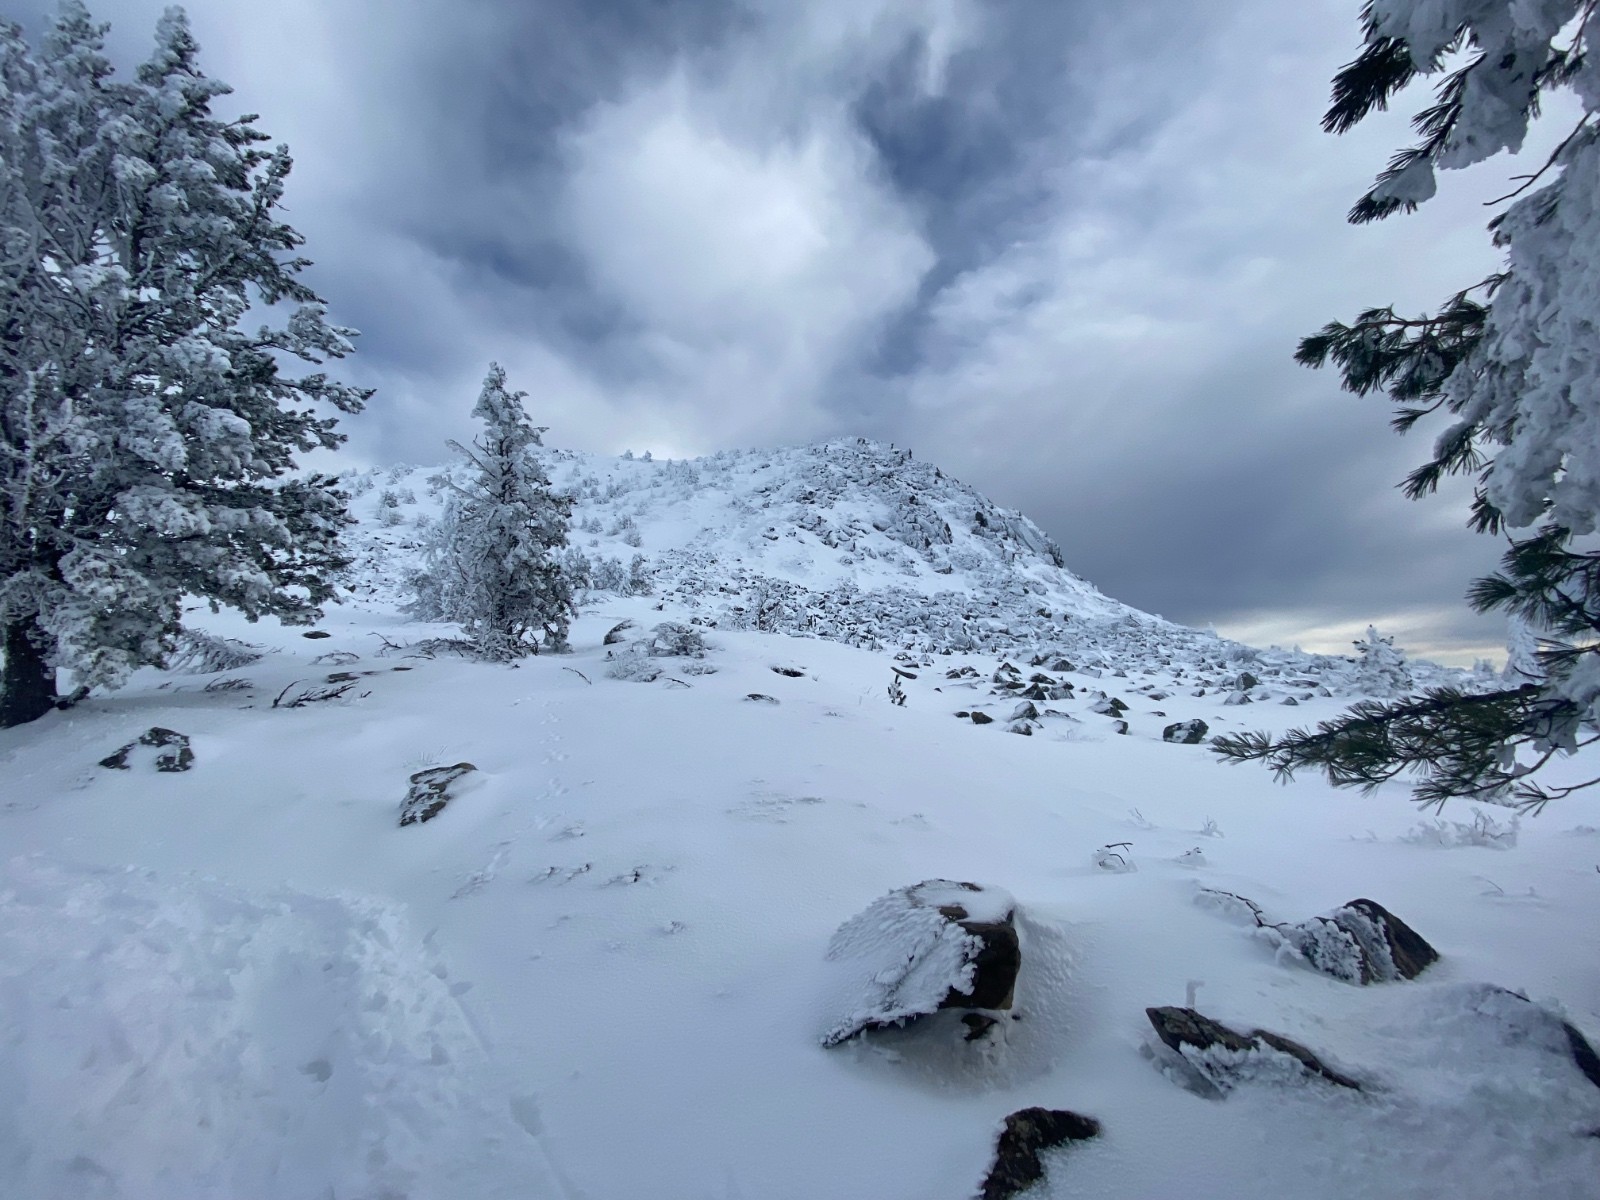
pixel 1017 1166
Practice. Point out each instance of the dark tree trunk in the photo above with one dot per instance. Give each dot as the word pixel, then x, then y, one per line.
pixel 28 688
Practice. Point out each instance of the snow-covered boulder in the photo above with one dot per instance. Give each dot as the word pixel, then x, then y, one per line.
pixel 1362 942
pixel 1187 733
pixel 1520 1020
pixel 936 945
pixel 1221 1058
pixel 171 751
pixel 431 791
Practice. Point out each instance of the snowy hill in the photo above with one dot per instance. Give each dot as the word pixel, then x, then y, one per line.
pixel 607 968
pixel 789 530
pixel 851 541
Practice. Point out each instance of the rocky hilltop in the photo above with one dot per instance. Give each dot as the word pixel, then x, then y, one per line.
pixel 850 540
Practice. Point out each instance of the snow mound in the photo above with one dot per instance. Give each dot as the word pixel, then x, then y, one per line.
pixel 195 1041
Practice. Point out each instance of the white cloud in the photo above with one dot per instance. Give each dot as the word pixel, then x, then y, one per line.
pixel 754 270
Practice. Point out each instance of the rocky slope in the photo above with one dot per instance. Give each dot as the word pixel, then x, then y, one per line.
pixel 852 540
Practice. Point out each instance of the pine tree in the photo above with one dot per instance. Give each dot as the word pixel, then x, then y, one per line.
pixel 1512 361
pixel 492 563
pixel 1380 668
pixel 147 440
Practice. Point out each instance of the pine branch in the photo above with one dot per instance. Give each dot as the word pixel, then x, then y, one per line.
pixel 1367 84
pixel 1458 742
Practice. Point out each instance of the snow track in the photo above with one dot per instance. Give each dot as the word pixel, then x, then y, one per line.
pixel 186 1039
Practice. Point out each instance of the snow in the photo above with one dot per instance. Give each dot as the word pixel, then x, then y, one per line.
pixel 604 970
pixel 188 1039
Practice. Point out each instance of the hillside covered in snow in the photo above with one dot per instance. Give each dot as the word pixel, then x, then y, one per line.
pixel 850 541
pixel 856 850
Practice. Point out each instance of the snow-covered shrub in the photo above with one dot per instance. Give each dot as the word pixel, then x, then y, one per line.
pixel 635 666
pixel 639 660
pixel 579 570
pixel 638 581
pixel 1483 830
pixel 200 653
pixel 1116 858
pixel 606 575
pixel 673 639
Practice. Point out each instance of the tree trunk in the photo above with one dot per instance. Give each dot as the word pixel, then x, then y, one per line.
pixel 28 688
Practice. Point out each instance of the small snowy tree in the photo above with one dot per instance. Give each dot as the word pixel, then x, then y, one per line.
pixel 1512 361
pixel 638 576
pixel 1380 668
pixel 147 439
pixel 492 561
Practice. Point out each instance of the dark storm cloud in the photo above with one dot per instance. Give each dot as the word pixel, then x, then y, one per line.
pixel 1062 248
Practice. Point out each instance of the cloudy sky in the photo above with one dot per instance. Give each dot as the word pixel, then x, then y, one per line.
pixel 1061 248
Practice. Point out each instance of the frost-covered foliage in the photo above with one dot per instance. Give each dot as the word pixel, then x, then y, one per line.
pixel 492 561
pixel 1530 381
pixel 674 639
pixel 201 653
pixel 147 438
pixel 1347 944
pixel 1513 361
pixel 639 660
pixel 1381 669
pixel 1483 830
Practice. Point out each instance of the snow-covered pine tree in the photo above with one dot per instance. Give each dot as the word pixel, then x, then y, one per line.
pixel 146 439
pixel 1513 361
pixel 1380 668
pixel 492 564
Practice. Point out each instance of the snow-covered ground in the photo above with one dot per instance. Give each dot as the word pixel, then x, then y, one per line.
pixel 602 971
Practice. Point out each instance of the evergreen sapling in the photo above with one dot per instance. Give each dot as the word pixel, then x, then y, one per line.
pixel 493 563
